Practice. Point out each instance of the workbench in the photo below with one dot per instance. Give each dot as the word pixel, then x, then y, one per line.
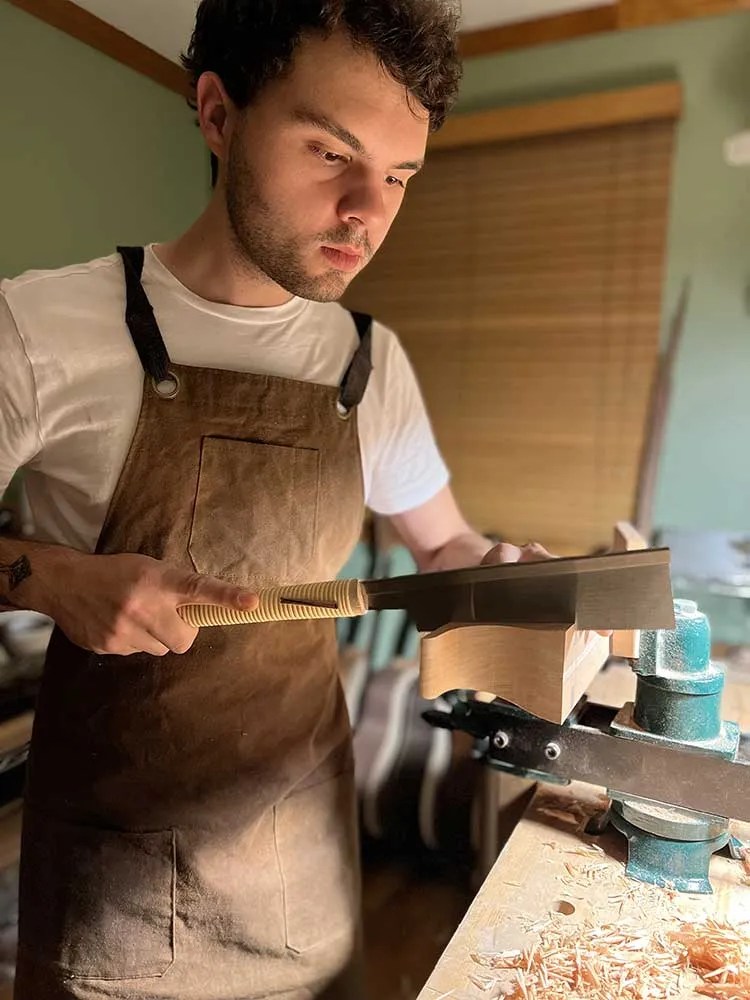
pixel 550 873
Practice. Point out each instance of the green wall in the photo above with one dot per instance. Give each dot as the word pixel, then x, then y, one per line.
pixel 705 473
pixel 92 154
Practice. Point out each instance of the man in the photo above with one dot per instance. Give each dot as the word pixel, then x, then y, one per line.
pixel 197 420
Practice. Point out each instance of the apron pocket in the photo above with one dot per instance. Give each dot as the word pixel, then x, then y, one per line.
pixel 99 904
pixel 316 842
pixel 256 511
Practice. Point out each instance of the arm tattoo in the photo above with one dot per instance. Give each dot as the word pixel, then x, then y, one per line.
pixel 16 572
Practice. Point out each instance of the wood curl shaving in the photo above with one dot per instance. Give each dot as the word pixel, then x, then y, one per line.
pixel 617 962
pixel 720 954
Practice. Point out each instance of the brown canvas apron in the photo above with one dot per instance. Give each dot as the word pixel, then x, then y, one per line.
pixel 189 830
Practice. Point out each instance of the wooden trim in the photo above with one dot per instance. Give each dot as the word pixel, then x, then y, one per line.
pixel 91 30
pixel 541 31
pixel 522 121
pixel 618 16
pixel 642 13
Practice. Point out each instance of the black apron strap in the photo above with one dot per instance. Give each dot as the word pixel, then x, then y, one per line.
pixel 139 315
pixel 357 375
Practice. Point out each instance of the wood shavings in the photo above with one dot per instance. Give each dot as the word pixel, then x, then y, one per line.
pixel 650 901
pixel 533 926
pixel 585 849
pixel 622 962
pixel 563 806
pixel 483 982
pixel 720 954
pixel 600 963
pixel 588 874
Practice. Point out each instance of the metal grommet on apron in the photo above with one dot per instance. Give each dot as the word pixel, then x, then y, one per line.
pixel 190 822
pixel 168 387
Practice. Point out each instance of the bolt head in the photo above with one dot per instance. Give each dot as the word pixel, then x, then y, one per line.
pixel 500 740
pixel 552 751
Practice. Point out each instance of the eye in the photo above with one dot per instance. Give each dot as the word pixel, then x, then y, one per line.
pixel 395 182
pixel 327 156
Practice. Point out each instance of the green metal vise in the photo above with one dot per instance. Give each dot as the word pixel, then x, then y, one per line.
pixel 678 701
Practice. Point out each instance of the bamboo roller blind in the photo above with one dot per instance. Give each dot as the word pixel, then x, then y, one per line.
pixel 525 280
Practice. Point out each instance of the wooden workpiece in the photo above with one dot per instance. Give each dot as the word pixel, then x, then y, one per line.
pixel 627 538
pixel 542 670
pixel 552 874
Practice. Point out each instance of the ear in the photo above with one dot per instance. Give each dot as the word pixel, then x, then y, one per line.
pixel 216 113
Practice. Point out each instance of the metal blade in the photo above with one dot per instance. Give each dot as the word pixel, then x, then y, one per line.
pixel 623 590
pixel 679 776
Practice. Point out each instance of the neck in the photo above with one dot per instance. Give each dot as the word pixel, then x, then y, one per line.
pixel 205 259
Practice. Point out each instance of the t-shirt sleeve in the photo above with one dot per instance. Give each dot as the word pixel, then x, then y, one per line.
pixel 19 425
pixel 408 469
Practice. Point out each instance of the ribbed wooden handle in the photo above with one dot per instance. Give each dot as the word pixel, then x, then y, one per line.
pixel 301 602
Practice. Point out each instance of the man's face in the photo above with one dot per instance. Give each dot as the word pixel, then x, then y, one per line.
pixel 317 168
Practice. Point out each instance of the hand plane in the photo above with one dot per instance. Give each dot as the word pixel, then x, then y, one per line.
pixel 620 590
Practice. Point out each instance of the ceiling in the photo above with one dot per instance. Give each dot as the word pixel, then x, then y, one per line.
pixel 165 25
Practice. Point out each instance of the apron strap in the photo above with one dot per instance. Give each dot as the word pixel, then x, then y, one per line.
pixel 149 343
pixel 357 375
pixel 139 315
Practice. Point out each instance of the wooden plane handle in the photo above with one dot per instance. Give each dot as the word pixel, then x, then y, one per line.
pixel 300 602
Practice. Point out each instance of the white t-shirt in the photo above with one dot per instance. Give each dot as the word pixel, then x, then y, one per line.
pixel 71 385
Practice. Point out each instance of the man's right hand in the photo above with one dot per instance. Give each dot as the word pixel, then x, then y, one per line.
pixel 124 604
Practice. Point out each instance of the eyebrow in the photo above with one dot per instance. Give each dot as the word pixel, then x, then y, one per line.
pixel 308 117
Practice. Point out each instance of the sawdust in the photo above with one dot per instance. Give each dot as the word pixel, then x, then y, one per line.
pixel 621 962
pixel 647 899
pixel 653 953
pixel 720 954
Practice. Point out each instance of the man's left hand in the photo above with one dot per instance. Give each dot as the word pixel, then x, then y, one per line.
pixel 505 552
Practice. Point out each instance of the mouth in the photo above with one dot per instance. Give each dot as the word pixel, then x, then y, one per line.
pixel 344 258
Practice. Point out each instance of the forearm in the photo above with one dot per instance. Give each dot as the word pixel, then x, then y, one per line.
pixel 440 538
pixel 29 574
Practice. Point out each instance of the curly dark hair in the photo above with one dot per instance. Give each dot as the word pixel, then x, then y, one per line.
pixel 249 43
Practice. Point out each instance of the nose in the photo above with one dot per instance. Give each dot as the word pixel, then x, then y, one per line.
pixel 362 202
